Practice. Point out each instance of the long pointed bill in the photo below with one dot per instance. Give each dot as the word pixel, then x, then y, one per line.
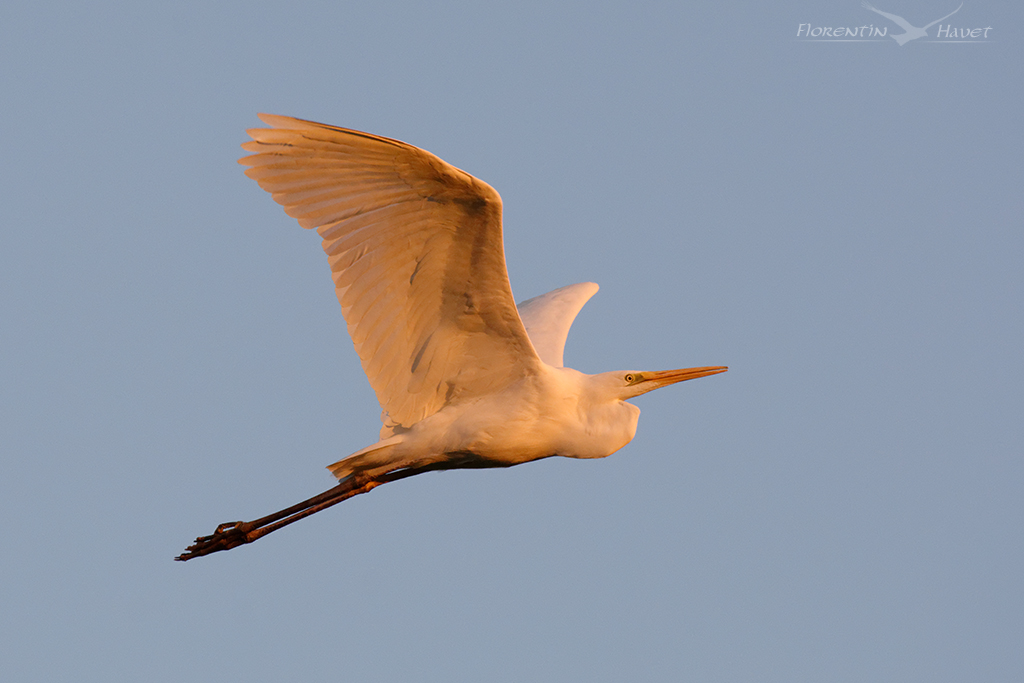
pixel 650 381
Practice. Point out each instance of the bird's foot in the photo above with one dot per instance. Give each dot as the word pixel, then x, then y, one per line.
pixel 227 536
pixel 233 534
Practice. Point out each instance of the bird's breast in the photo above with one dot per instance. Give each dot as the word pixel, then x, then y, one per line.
pixel 530 420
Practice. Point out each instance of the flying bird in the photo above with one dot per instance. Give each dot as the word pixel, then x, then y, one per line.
pixel 464 377
pixel 912 32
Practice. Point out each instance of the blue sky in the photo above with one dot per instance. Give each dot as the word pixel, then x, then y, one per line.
pixel 840 223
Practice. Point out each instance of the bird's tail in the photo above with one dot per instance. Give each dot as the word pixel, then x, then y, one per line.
pixel 379 456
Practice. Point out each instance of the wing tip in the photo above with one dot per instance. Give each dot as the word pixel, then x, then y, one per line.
pixel 278 120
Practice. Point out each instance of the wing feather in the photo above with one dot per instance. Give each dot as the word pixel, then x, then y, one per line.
pixel 548 318
pixel 415 250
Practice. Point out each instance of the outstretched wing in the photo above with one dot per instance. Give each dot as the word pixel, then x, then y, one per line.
pixel 548 318
pixel 415 248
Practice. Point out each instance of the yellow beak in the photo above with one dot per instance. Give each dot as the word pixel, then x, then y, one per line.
pixel 655 380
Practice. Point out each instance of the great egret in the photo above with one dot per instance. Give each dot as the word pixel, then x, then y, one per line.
pixel 464 378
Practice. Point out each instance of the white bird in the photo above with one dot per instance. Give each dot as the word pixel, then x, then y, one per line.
pixel 465 379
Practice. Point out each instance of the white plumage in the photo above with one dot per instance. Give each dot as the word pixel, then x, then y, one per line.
pixel 464 377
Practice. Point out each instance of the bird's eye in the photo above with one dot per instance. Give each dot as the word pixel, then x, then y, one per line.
pixel 630 378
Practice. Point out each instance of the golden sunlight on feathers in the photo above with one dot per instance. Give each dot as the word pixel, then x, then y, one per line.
pixel 464 378
pixel 411 241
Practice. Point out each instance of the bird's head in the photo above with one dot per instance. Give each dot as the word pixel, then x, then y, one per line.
pixel 634 383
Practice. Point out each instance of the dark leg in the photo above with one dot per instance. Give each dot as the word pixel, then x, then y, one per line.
pixel 232 534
